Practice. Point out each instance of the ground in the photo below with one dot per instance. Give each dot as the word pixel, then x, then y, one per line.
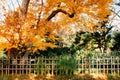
pixel 61 77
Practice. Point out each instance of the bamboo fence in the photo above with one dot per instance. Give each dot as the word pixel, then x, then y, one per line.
pixel 59 66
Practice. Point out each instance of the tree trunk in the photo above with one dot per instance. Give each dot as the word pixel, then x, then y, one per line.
pixel 24 7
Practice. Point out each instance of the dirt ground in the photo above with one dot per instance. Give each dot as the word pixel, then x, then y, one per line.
pixel 61 77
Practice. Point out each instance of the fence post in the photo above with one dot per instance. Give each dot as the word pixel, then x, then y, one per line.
pixel 107 64
pixel 89 60
pixel 42 64
pixel 52 66
pixel 111 64
pixel 2 67
pixel 30 65
pixel 16 64
pixel 78 64
pixel 82 65
pixel 93 64
pixel 118 65
pixel 45 64
pixel 114 64
pixel 38 65
pixel 7 67
pixel 97 64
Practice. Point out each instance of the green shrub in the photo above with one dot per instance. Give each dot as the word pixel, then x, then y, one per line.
pixel 67 64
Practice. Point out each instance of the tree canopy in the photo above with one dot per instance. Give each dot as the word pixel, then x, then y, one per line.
pixel 36 24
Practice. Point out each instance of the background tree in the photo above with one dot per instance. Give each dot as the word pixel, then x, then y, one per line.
pixel 116 43
pixel 99 41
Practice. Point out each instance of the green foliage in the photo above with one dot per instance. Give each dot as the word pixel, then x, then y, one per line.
pixel 67 63
pixel 54 52
pixel 110 77
pixel 113 77
pixel 116 44
pixel 40 64
pixel 90 54
pixel 2 53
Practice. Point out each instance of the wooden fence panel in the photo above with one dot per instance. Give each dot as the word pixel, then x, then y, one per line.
pixel 51 65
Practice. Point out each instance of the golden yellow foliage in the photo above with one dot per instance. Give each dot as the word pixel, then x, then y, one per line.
pixel 45 18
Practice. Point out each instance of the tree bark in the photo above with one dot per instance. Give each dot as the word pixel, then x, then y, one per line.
pixel 24 7
pixel 57 11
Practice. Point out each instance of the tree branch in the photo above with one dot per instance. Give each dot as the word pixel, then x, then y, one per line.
pixel 24 7
pixel 117 13
pixel 40 13
pixel 57 11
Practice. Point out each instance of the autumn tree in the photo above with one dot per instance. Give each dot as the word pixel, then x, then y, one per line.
pixel 36 23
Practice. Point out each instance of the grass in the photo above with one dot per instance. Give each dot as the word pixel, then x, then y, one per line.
pixel 61 77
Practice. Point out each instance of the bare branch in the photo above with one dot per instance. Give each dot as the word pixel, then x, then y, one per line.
pixel 116 13
pixel 57 11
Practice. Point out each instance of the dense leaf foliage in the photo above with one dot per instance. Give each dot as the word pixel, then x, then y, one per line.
pixel 37 23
